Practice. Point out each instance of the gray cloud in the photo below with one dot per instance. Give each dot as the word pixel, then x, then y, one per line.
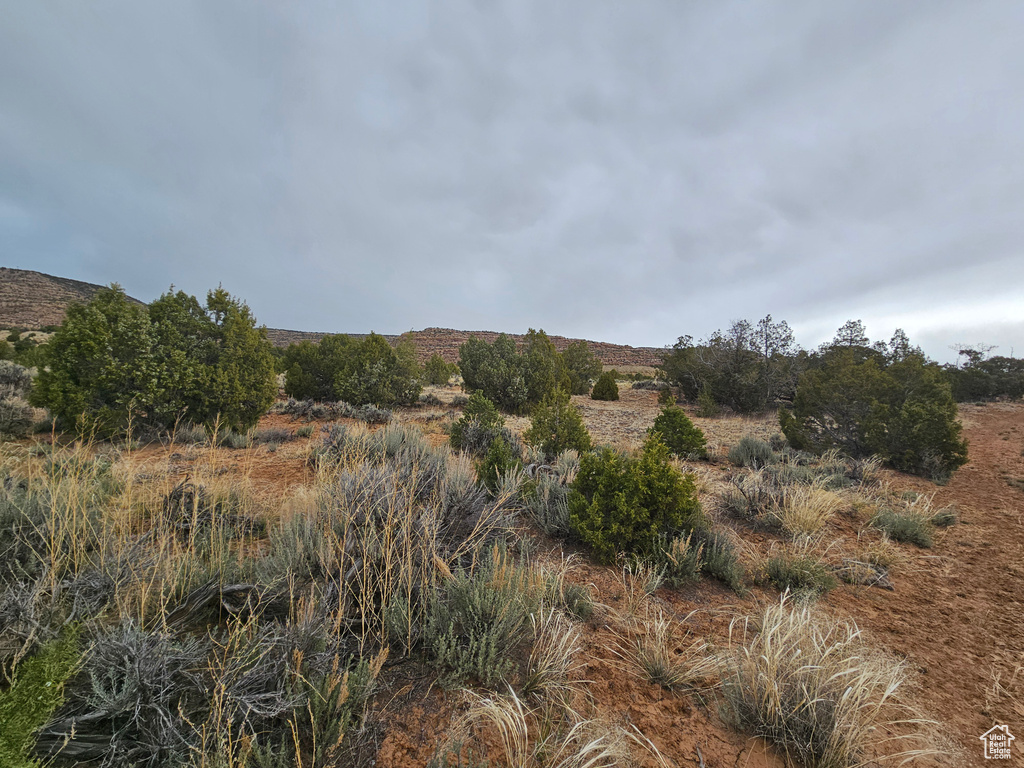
pixel 622 171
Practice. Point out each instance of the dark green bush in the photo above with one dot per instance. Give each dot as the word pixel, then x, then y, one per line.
pixel 605 388
pixel 681 435
pixel 557 426
pixel 622 503
pixel 666 397
pixel 515 379
pixel 707 408
pixel 864 403
pixel 437 372
pixel 365 371
pixel 746 368
pixel 114 364
pixel 500 458
pixel 582 366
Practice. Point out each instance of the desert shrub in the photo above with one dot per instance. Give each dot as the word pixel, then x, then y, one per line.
pixel 480 617
pixel 756 496
pixel 272 436
pixel 394 510
pixel 900 409
pixel 437 372
pixel 531 737
pixel 753 453
pixel 707 408
pixel 681 435
pixel 306 430
pixel 497 462
pixel 459 401
pixel 605 388
pixel 746 368
pixel 546 499
pixel 190 434
pixel 35 693
pixel 515 380
pixel 570 596
pixel 15 380
pixel 681 559
pixel 478 426
pixel 806 510
pixel 799 572
pixel 557 426
pixel 15 417
pixel 666 397
pixel 431 399
pixel 114 364
pixel 946 517
pixel 657 654
pixel 553 667
pixel 362 372
pixel 650 385
pixel 128 708
pixel 371 414
pixel 807 684
pixel 720 560
pixel 622 503
pixel 582 366
pixel 229 438
pixel 312 410
pixel 908 526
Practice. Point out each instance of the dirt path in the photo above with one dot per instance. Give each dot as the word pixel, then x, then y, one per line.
pixel 956 614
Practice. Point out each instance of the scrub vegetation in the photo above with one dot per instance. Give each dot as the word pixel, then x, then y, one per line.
pixel 374 569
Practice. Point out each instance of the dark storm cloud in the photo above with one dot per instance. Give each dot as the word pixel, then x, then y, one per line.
pixel 621 171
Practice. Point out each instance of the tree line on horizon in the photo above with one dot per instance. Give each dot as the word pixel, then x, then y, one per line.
pixel 114 364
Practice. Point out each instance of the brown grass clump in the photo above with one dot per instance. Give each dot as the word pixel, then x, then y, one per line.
pixel 532 738
pixel 810 685
pixel 805 510
pixel 652 649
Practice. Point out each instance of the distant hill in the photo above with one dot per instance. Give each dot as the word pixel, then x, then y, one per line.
pixel 34 300
pixel 446 342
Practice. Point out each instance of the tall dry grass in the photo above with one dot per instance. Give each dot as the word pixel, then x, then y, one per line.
pixel 812 686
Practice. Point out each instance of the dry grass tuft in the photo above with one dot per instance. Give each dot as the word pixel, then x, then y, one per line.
pixel 806 510
pixel 534 738
pixel 654 651
pixel 554 669
pixel 810 685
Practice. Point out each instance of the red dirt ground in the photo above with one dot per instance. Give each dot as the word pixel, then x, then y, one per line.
pixel 955 618
pixel 955 615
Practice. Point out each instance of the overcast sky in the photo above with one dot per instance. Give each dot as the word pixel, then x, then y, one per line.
pixel 621 171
